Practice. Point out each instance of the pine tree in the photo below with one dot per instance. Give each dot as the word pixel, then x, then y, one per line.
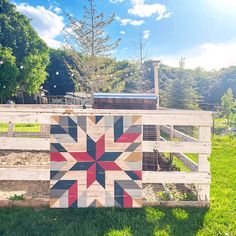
pixel 94 70
pixel 181 93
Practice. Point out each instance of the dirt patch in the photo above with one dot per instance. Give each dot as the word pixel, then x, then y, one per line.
pixel 29 189
pixel 8 158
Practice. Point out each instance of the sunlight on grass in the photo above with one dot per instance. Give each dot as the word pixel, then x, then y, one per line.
pixel 124 232
pixel 219 219
pixel 153 215
pixel 180 214
pixel 158 232
pixel 27 128
pixel 3 127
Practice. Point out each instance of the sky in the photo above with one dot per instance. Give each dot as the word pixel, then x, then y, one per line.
pixel 201 31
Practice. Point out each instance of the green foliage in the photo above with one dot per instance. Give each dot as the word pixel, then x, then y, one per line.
pixel 181 94
pixel 94 71
pixel 16 197
pixel 8 73
pixel 60 79
pixel 30 52
pixel 227 103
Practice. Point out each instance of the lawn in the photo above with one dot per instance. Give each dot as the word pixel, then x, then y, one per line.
pixel 220 219
pixel 21 127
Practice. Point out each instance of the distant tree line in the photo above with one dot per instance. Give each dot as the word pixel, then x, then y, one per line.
pixel 86 65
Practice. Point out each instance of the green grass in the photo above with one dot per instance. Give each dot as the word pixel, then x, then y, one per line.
pixel 16 197
pixel 3 127
pixel 220 124
pixel 21 127
pixel 26 128
pixel 218 220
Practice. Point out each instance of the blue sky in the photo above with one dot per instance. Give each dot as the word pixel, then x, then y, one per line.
pixel 202 31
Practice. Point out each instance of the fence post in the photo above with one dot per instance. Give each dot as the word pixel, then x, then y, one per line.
pixel 204 135
pixel 44 130
pixel 10 129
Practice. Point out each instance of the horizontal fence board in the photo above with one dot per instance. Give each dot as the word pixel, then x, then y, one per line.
pixel 199 204
pixel 176 147
pixel 38 174
pixel 24 144
pixel 178 134
pixel 176 177
pixel 17 114
pixel 36 203
pixel 49 107
pixel 43 144
pixel 27 173
pixel 187 161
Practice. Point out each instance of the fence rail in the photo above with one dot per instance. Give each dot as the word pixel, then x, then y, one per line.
pixel 164 119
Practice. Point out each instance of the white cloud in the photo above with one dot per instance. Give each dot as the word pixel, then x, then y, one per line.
pixel 139 8
pixel 48 24
pixel 129 21
pixel 208 56
pixel 146 34
pixel 122 32
pixel 57 10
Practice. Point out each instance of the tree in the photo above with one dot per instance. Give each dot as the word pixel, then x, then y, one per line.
pixel 8 74
pixel 93 67
pixel 60 79
pixel 180 93
pixel 27 47
pixel 227 103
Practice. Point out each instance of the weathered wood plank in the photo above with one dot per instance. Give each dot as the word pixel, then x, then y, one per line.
pixel 176 147
pixel 203 163
pixel 199 204
pixel 157 119
pixel 204 133
pixel 38 203
pixel 34 174
pixel 43 144
pixel 203 191
pixel 25 144
pixel 176 177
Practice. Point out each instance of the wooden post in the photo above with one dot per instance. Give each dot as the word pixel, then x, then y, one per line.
pixel 156 82
pixel 156 92
pixel 44 130
pixel 171 136
pixel 10 129
pixel 204 135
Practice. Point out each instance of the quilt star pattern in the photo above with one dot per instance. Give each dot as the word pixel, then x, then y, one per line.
pixel 96 161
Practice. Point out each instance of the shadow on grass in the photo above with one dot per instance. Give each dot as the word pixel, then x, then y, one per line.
pixel 109 221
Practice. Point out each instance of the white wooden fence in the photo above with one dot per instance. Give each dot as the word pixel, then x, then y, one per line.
pixel 166 119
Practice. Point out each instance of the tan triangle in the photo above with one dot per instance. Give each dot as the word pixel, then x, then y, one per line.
pixel 55 119
pixel 134 157
pixel 98 204
pixel 92 118
pixel 135 119
pixel 54 202
pixel 137 202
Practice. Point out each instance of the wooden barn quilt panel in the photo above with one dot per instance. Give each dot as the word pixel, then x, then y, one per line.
pixel 96 161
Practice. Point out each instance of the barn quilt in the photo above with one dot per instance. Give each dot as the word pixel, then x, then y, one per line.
pixel 96 161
